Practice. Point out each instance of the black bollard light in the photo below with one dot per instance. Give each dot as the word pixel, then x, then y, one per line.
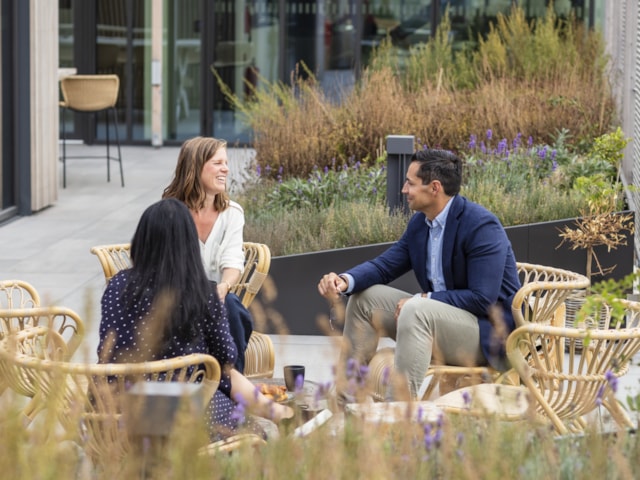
pixel 400 148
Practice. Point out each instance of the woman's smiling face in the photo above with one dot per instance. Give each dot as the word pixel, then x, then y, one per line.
pixel 214 173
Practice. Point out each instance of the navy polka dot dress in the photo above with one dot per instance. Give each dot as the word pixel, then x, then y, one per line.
pixel 127 336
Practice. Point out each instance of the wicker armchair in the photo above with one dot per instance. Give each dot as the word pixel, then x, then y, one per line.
pixel 540 300
pixel 18 294
pixel 558 388
pixel 68 327
pixel 91 93
pixel 86 398
pixel 260 354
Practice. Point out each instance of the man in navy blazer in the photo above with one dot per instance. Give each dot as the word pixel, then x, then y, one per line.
pixel 465 266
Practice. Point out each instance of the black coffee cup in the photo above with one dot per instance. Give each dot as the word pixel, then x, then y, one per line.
pixel 293 374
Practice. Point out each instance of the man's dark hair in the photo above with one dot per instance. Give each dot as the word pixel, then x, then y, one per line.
pixel 440 165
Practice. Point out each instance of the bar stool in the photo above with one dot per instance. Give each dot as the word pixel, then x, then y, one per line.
pixel 91 94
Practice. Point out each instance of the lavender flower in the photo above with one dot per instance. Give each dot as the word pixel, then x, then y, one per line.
pixel 466 398
pixel 502 147
pixel 612 380
pixel 472 142
pixel 599 395
pixel 386 373
pixel 542 153
pixel 351 368
pixel 516 141
pixel 238 413
pixel 258 170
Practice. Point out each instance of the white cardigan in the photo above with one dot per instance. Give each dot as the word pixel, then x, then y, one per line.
pixel 223 248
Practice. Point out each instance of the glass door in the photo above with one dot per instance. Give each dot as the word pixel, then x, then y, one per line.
pixel 182 107
pixel 246 52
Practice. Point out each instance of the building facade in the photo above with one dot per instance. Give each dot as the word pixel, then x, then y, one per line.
pixel 171 56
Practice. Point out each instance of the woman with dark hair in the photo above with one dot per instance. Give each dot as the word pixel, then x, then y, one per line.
pixel 200 182
pixel 164 306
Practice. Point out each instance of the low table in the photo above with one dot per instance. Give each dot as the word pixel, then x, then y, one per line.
pixel 309 400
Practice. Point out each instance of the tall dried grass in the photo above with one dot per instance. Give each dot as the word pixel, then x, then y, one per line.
pixel 451 447
pixel 535 78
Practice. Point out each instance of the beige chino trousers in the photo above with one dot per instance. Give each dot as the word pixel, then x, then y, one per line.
pixel 427 331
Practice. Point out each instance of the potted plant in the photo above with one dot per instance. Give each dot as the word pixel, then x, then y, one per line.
pixel 601 223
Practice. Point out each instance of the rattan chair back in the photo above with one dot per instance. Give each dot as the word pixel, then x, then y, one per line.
pixel 259 357
pixel 68 328
pixel 18 294
pixel 568 386
pixel 539 300
pixel 87 399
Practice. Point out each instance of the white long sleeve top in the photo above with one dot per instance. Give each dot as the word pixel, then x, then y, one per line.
pixel 223 247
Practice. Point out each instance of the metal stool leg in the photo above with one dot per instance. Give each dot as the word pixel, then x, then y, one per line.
pixel 115 122
pixel 64 148
pixel 106 116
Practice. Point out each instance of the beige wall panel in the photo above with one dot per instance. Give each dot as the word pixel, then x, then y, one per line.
pixel 44 103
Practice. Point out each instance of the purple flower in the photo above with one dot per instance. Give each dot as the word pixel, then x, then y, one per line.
pixel 612 380
pixel 483 148
pixel 385 375
pixel 502 146
pixel 258 170
pixel 472 142
pixel 489 134
pixel 466 398
pixel 599 395
pixel 351 367
pixel 517 140
pixel 325 169
pixel 530 141
pixel 428 438
pixel 238 413
pixel 542 152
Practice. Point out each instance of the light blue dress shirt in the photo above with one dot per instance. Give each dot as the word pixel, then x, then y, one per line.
pixel 434 254
pixel 434 249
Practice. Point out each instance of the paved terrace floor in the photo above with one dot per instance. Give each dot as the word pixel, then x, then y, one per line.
pixel 50 249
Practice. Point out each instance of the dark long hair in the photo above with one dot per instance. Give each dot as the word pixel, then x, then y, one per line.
pixel 167 270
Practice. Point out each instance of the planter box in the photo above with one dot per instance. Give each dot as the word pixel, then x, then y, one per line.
pixel 305 312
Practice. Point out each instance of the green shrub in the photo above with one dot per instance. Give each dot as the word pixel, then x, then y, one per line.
pixel 351 182
pixel 521 182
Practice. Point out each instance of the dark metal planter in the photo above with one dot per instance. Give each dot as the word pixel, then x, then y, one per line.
pixel 305 312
